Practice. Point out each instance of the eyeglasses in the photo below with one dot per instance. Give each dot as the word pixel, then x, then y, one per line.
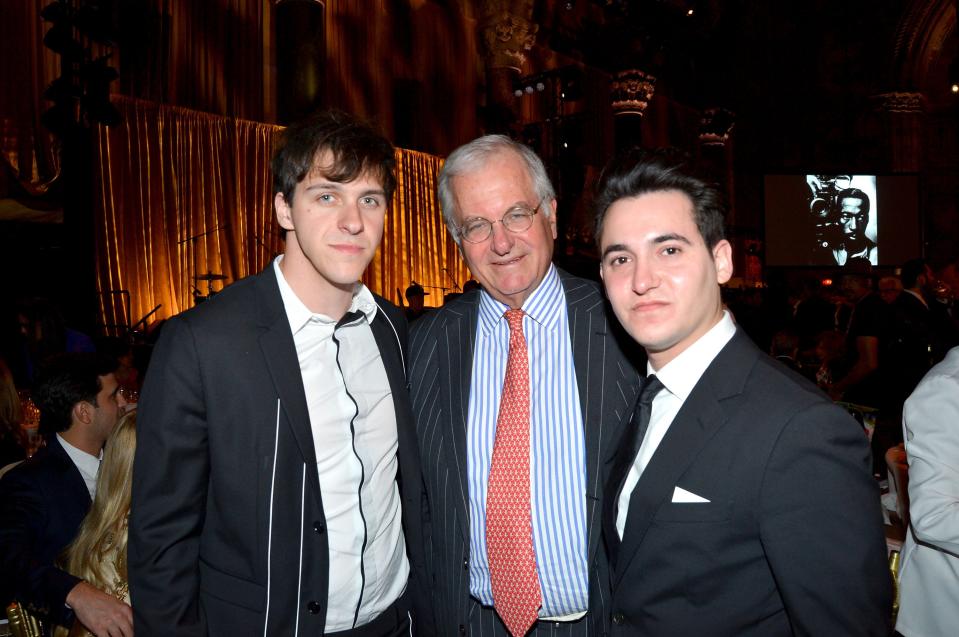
pixel 519 218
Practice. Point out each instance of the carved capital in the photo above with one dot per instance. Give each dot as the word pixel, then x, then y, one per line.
pixel 715 126
pixel 507 38
pixel 631 91
pixel 899 102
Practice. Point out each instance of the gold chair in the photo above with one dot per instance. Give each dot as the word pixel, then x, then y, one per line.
pixel 22 623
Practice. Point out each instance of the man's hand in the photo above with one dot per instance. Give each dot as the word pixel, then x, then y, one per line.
pixel 101 614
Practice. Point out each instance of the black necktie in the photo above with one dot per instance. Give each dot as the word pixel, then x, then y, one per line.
pixel 644 411
pixel 627 453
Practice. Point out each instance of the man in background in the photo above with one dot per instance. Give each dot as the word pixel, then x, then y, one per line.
pixel 44 499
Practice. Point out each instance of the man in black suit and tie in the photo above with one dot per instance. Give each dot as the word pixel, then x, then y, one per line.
pixel 44 499
pixel 739 500
pixel 276 485
pixel 517 392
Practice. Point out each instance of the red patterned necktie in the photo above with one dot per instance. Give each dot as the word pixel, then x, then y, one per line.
pixel 509 529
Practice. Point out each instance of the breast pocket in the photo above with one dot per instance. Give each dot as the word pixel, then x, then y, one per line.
pixel 692 512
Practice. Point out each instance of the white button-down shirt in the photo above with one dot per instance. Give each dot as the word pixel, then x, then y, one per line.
pixel 87 465
pixel 354 436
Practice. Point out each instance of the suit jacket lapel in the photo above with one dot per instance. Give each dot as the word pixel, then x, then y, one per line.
pixel 599 382
pixel 279 351
pixel 393 357
pixel 700 417
pixel 455 358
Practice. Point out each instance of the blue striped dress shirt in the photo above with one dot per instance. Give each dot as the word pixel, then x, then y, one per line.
pixel 557 446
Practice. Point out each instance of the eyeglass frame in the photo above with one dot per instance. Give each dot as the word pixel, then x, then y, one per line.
pixel 489 224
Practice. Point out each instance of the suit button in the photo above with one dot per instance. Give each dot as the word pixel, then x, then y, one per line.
pixel 462 629
pixel 314 608
pixel 619 619
pixel 466 564
pixel 319 528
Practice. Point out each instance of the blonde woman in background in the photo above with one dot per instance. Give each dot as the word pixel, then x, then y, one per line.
pixel 99 553
pixel 12 440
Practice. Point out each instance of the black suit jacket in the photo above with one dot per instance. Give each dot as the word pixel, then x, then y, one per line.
pixel 791 540
pixel 441 346
pixel 227 530
pixel 42 503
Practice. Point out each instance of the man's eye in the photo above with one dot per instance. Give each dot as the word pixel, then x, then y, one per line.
pixel 516 215
pixel 618 260
pixel 474 226
pixel 326 198
pixel 671 250
pixel 370 202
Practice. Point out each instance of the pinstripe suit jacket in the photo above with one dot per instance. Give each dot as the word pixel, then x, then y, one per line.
pixel 441 352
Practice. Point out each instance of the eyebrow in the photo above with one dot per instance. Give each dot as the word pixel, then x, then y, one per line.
pixel 663 238
pixel 333 185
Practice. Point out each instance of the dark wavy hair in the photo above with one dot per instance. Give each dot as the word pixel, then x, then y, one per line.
pixel 356 148
pixel 639 171
pixel 65 380
pixel 854 193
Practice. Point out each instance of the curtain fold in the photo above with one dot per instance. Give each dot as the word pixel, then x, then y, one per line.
pixel 182 194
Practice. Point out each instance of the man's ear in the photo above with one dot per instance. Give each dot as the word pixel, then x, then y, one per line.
pixel 284 214
pixel 723 260
pixel 552 218
pixel 82 412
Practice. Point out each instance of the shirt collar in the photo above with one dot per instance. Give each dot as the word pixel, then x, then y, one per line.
pixel 918 296
pixel 680 375
pixel 544 305
pixel 87 464
pixel 299 315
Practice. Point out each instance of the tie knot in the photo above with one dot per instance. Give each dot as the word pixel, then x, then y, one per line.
pixel 650 389
pixel 515 320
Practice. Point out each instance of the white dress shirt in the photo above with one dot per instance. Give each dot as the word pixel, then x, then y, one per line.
pixel 87 465
pixel 354 436
pixel 557 448
pixel 679 377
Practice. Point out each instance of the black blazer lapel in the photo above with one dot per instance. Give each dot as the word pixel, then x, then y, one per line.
pixel 700 417
pixel 279 351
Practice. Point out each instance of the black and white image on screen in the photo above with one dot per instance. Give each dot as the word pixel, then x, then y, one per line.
pixel 843 213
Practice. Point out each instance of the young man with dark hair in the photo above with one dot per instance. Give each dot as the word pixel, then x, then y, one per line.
pixel 739 499
pixel 43 500
pixel 275 425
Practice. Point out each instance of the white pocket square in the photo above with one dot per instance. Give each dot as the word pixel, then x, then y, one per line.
pixel 682 495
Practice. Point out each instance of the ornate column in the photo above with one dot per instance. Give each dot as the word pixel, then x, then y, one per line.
pixel 630 93
pixel 507 33
pixel 903 119
pixel 715 150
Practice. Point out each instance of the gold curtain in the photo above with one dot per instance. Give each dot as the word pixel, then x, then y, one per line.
pixel 182 193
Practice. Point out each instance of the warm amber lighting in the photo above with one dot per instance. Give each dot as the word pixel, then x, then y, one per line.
pixel 826 283
pixel 690 12
pixel 955 88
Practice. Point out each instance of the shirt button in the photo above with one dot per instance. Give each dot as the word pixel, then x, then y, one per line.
pixel 314 608
pixel 319 528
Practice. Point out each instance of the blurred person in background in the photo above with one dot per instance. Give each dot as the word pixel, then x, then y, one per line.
pixel 12 441
pixel 98 555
